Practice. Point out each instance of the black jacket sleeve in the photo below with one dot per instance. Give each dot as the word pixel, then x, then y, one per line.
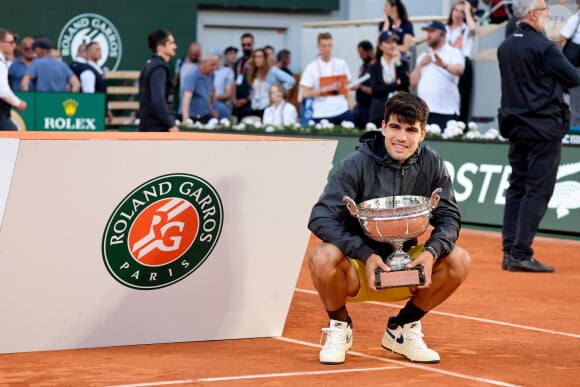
pixel 559 68
pixel 330 215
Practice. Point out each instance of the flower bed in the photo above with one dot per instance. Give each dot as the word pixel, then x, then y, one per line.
pixel 455 130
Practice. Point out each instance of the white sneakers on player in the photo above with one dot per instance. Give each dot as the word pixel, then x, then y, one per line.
pixel 338 342
pixel 408 341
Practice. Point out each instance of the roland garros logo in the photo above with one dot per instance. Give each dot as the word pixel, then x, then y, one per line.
pixel 91 27
pixel 162 231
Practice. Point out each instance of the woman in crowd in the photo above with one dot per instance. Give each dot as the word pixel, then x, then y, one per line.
pixel 460 34
pixel 389 75
pixel 261 75
pixel 397 21
pixel 280 112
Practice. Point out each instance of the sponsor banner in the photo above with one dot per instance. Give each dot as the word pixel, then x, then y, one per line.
pixel 63 111
pixel 140 241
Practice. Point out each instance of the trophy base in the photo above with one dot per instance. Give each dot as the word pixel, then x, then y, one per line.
pixel 400 278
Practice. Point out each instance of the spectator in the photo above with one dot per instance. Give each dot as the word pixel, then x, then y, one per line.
pixel 389 75
pixel 284 58
pixel 242 106
pixel 230 56
pixel 571 31
pixel 187 65
pixel 397 21
pixel 363 90
pixel 436 76
pixel 280 113
pixel 225 88
pixel 49 73
pixel 325 79
pixel 387 163
pixel 156 112
pixel 20 65
pixel 460 34
pixel 80 63
pixel 271 53
pixel 197 101
pixel 534 118
pixel 260 76
pixel 7 98
pixel 91 75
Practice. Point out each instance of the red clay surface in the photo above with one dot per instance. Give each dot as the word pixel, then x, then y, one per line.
pixel 499 328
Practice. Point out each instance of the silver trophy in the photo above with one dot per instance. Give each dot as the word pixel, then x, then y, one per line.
pixel 395 219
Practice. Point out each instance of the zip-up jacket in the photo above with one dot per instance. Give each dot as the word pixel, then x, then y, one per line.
pixel 370 173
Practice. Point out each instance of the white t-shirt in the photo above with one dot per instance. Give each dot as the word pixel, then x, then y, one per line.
pixel 437 86
pixel 282 115
pixel 333 105
pixel 570 29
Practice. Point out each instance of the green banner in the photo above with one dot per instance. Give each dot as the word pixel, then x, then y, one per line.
pixel 63 111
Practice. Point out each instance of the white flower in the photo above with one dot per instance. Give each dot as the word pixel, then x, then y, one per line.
pixel 225 122
pixel 297 125
pixel 472 126
pixel 311 123
pixel 318 126
pixel 270 129
pixel 240 126
pixel 197 125
pixel 371 126
pixel 188 122
pixel 347 124
pixel 177 122
pixel 434 129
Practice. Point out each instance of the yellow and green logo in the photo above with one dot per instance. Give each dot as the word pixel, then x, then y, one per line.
pixel 162 231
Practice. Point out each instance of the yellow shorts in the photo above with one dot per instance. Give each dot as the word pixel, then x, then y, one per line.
pixel 386 295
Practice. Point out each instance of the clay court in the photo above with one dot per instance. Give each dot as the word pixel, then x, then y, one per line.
pixel 500 328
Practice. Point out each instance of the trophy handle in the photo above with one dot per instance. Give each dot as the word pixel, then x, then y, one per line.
pixel 351 205
pixel 435 198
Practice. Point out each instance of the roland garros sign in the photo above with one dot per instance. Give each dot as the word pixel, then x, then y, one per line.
pixel 162 231
pixel 91 27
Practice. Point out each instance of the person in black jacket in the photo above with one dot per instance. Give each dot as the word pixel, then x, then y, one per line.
pixel 156 113
pixel 535 118
pixel 389 74
pixel 386 163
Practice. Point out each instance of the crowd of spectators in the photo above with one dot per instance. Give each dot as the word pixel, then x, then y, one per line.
pixel 243 85
pixel 231 84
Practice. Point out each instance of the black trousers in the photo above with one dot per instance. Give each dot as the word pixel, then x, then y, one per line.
pixel 531 185
pixel 465 85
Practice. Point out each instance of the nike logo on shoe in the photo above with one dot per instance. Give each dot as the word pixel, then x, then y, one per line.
pixel 399 339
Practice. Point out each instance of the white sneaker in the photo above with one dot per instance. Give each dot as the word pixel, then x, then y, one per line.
pixel 408 341
pixel 338 342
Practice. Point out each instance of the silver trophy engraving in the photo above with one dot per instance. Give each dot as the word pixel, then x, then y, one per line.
pixel 395 219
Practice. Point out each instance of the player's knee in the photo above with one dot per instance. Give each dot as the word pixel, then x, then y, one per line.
pixel 324 257
pixel 457 264
pixel 460 263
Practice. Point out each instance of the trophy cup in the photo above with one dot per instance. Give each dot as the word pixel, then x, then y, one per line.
pixel 395 219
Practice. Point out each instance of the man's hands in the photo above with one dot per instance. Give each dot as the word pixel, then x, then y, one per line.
pixel 375 262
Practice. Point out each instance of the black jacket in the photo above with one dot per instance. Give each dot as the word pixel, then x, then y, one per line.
pixel 533 71
pixel 156 112
pixel 382 90
pixel 370 173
